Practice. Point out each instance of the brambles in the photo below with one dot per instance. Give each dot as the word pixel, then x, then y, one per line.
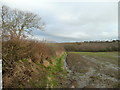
pixel 20 56
pixel 15 50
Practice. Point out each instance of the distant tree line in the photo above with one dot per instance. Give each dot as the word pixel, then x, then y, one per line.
pixel 101 41
pixel 105 46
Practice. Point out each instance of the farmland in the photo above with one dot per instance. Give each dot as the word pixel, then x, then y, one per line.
pixel 43 48
pixel 93 69
pixel 61 65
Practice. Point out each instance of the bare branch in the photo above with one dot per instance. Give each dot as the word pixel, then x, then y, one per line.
pixel 15 23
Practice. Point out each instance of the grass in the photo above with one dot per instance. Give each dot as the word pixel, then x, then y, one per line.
pixel 111 57
pixel 56 71
pixel 108 55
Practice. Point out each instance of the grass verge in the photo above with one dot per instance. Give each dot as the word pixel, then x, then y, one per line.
pixel 56 72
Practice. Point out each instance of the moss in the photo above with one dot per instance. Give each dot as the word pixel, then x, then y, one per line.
pixel 24 60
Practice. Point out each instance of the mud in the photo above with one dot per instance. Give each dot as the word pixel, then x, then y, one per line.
pixel 90 72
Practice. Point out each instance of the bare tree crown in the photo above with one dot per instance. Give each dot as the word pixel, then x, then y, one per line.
pixel 17 24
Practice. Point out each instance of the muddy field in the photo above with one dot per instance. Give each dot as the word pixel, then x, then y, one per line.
pixel 92 69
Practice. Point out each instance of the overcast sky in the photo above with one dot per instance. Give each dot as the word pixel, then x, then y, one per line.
pixel 72 21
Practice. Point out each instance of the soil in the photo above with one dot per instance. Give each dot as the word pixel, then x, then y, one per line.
pixel 85 71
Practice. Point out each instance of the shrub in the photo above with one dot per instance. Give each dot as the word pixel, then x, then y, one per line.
pixel 14 50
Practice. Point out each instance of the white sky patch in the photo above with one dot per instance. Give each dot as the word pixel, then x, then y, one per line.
pixel 35 37
pixel 105 33
pixel 67 17
pixel 74 35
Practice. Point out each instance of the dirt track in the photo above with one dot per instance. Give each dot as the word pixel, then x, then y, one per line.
pixel 91 71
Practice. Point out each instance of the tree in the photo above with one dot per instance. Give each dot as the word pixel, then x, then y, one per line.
pixel 18 24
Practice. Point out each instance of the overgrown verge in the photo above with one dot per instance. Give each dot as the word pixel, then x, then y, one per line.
pixel 57 73
pixel 28 64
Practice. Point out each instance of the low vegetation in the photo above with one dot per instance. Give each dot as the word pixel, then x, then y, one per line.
pixel 91 46
pixel 57 73
pixel 32 60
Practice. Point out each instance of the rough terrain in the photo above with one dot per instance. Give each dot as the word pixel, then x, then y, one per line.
pixel 92 69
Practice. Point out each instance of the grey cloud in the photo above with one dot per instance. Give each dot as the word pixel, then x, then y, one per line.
pixel 75 21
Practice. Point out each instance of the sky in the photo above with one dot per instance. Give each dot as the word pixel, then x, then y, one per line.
pixel 72 21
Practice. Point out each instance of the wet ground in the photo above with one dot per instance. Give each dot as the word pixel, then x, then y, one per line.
pixel 92 70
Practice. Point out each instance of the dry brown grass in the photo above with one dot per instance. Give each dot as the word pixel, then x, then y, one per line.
pixel 24 62
pixel 15 50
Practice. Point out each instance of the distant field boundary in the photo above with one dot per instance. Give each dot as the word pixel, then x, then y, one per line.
pixel 91 47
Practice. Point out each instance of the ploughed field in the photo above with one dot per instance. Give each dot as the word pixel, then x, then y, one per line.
pixel 92 69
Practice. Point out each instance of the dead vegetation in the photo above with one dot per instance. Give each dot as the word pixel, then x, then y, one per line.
pixel 24 62
pixel 91 46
